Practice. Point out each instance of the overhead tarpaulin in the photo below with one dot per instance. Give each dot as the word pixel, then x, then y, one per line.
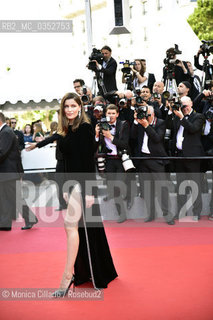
pixel 30 105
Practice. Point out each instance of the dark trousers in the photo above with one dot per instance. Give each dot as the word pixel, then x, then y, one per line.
pixel 11 203
pixel 188 170
pixel 155 182
pixel 115 174
pixel 60 181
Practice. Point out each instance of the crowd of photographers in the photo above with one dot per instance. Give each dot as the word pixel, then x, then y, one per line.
pixel 153 127
pixel 152 121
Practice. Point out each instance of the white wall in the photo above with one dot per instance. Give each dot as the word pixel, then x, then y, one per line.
pixel 44 65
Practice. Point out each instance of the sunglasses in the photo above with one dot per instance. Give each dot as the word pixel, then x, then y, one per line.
pixel 13 122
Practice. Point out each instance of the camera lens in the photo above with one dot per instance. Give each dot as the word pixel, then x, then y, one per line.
pixel 84 98
pixel 139 99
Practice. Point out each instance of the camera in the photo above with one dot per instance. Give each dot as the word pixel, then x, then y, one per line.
pixel 176 103
pixel 138 98
pixel 207 47
pixel 176 106
pixel 124 102
pixel 104 124
pixel 170 60
pixel 126 66
pixel 209 114
pixel 127 162
pixel 85 98
pixel 95 55
pixel 112 97
pixel 127 73
pixel 166 95
pixel 142 112
pixel 156 95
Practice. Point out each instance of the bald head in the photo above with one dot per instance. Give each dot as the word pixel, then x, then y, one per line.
pixel 158 87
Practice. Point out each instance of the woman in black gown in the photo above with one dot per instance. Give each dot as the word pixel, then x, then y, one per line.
pixel 88 254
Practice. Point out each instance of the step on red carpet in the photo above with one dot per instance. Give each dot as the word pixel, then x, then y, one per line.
pixel 165 272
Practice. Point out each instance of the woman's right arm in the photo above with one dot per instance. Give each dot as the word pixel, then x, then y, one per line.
pixel 44 142
pixel 137 75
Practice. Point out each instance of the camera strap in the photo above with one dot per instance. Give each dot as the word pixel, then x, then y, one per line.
pixel 154 122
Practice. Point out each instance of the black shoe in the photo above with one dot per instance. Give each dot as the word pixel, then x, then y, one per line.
pixel 122 218
pixel 63 292
pixel 211 217
pixel 29 225
pixel 196 218
pixel 148 219
pixel 5 228
pixel 129 204
pixel 171 222
pixel 105 198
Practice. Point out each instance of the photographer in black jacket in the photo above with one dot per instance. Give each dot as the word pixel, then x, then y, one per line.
pixel 106 71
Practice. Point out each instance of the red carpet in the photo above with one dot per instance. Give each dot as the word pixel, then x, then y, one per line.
pixel 165 272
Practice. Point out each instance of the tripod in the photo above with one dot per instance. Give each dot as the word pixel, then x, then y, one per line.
pixel 171 85
pixel 128 82
pixel 206 74
pixel 97 80
pixel 94 85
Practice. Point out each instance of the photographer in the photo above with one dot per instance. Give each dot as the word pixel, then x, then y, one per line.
pixel 158 97
pixel 149 132
pixel 78 85
pixel 186 142
pixel 150 76
pixel 107 70
pixel 205 49
pixel 158 87
pixel 115 139
pixel 138 79
pixel 175 67
pixel 147 99
pixel 204 100
pixel 126 111
pixel 194 81
pixel 86 98
pixel 99 108
pixel 183 89
pixel 204 104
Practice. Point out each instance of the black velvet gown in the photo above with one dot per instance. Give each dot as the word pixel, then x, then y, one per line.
pixel 94 259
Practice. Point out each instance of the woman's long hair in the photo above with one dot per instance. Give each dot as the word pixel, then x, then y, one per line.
pixel 31 129
pixel 142 71
pixel 38 128
pixel 53 127
pixel 63 122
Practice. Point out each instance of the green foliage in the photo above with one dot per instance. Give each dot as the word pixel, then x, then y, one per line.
pixel 27 117
pixel 201 20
